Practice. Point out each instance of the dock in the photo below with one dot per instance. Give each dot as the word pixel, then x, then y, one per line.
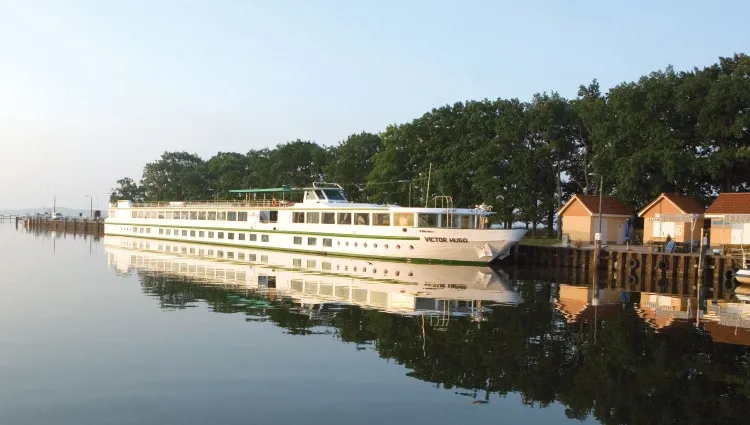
pixel 87 226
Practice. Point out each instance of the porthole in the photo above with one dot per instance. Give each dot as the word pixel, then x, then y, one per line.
pixel 347 244
pixel 374 245
pixel 374 270
pixel 385 246
pixel 338 266
pixel 398 272
pixel 338 243
pixel 398 246
pixel 411 274
pixel 364 269
pixel 346 268
pixel 354 268
pixel 385 272
pixel 411 246
pixel 364 245
pixel 356 244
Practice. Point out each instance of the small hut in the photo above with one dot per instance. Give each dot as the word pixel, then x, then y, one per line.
pixel 678 216
pixel 580 218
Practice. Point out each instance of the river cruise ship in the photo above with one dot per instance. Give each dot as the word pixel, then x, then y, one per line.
pixel 322 222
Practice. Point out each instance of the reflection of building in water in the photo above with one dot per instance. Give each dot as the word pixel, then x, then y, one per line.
pixel 581 303
pixel 321 282
pixel 728 322
pixel 661 311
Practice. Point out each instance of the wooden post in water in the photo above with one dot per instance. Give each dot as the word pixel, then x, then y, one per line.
pixel 701 275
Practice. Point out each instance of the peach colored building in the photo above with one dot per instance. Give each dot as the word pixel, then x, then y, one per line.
pixel 730 219
pixel 580 218
pixel 677 216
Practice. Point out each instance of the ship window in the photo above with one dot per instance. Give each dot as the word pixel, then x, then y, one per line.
pixel 153 214
pixel 379 219
pixel 242 216
pixel 175 215
pixel 253 237
pixel 139 214
pixel 210 254
pixel 313 217
pixel 220 254
pixel 327 242
pixel 319 194
pixel 192 233
pixel 310 196
pixel 297 262
pixel 220 235
pixel 230 235
pixel 241 256
pixel 211 234
pixel 427 220
pixel 403 219
pixel 334 195
pixel 184 215
pixel 161 231
pixel 241 236
pixel 201 215
pixel 264 238
pixel 212 215
pixel 362 219
pixel 133 214
pixel 161 215
pixel 184 233
pixel 269 216
pixel 193 215
pixel 311 264
pixel 148 230
pixel 345 218
pixel 328 218
pixel 221 215
pixel 230 254
pixel 298 217
pixel 251 257
pixel 169 232
pixel 201 234
pixel 298 240
pixel 312 241
pixel 325 265
pixel 263 258
pixel 232 216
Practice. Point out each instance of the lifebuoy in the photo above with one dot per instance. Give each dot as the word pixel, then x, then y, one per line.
pixel 729 284
pixel 729 274
pixel 633 263
pixel 275 203
pixel 662 282
pixel 662 265
pixel 632 280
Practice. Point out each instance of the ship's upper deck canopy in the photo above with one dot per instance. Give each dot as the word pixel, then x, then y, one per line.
pixel 319 192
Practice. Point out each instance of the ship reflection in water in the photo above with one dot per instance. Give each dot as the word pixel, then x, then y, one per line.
pixel 604 354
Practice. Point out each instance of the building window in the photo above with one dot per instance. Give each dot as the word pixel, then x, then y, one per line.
pixel 264 238
pixel 242 216
pixel 298 217
pixel 313 217
pixel 241 236
pixel 230 235
pixel 298 240
pixel 253 237
pixel 232 216
pixel 220 235
pixel 328 218
pixel 345 218
pixel 327 242
pixel 312 241
pixel 362 219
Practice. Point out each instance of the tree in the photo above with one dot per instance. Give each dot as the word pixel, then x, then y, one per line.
pixel 352 161
pixel 175 176
pixel 126 189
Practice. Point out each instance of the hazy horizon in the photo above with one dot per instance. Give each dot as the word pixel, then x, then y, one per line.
pixel 92 91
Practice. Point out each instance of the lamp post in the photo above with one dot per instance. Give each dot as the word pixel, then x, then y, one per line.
pixel 91 205
pixel 601 184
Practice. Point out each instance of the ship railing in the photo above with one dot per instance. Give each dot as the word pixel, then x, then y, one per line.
pixel 258 203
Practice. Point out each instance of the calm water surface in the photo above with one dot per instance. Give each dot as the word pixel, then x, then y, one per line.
pixel 91 334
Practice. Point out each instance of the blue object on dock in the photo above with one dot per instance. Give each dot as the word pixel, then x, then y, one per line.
pixel 627 230
pixel 670 247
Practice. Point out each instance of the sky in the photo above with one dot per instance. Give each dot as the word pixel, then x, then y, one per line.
pixel 90 91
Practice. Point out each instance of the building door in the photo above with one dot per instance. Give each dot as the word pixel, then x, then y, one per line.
pixel 737 233
pixel 620 234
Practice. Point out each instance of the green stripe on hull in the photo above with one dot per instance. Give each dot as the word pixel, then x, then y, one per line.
pixel 319 253
pixel 288 232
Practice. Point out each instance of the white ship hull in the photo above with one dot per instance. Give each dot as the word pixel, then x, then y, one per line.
pixel 313 279
pixel 743 276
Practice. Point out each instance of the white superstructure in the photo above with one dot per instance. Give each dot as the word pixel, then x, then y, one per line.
pixel 312 280
pixel 323 222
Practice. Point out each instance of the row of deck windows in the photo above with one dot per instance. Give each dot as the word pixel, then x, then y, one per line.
pixel 191 215
pixel 385 219
pixel 252 237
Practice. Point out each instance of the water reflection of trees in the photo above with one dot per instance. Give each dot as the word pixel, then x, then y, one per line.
pixel 621 371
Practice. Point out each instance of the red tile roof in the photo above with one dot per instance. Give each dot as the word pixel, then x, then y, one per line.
pixel 686 203
pixel 731 203
pixel 610 204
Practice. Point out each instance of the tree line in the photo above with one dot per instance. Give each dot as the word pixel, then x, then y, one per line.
pixel 671 131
